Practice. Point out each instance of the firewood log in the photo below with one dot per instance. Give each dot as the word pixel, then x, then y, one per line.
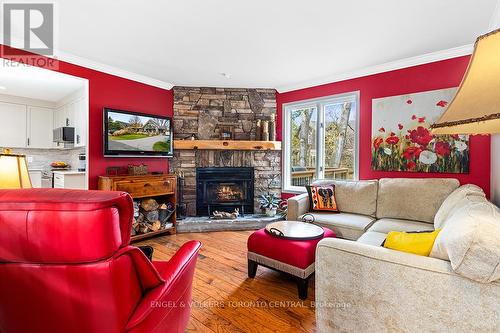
pixel 156 226
pixel 137 227
pixel 151 216
pixel 143 228
pixel 149 204
pixel 140 218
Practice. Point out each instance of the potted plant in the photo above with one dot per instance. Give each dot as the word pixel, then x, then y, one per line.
pixel 283 209
pixel 270 203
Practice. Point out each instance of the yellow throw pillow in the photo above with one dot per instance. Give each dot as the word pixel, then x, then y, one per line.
pixel 412 242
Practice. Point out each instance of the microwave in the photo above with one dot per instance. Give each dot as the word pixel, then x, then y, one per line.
pixel 64 134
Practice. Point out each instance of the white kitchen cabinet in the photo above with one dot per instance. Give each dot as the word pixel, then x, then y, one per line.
pixel 73 114
pixel 69 179
pixel 62 116
pixel 81 122
pixel 13 125
pixel 56 118
pixel 70 113
pixel 40 122
pixel 36 178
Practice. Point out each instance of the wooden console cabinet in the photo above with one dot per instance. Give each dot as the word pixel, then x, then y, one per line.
pixel 160 187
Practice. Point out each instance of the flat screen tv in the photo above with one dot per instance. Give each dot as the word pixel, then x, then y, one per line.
pixel 132 134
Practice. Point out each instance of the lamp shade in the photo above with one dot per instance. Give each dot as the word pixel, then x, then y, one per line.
pixel 14 172
pixel 476 106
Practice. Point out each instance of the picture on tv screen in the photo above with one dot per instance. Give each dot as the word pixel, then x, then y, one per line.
pixel 128 133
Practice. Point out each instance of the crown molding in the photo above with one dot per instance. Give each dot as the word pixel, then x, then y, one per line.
pixel 76 60
pixel 87 63
pixel 388 66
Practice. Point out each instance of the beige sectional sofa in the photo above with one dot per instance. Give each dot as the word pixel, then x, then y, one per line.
pixel 364 287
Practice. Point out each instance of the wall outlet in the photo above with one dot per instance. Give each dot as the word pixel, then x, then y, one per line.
pixel 29 159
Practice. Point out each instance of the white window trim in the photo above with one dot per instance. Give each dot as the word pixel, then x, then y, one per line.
pixel 318 103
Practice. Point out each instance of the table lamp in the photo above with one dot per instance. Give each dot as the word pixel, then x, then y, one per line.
pixel 13 171
pixel 476 106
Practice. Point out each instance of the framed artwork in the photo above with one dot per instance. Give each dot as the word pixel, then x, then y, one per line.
pixel 401 137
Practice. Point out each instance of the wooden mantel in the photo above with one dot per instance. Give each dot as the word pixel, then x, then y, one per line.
pixel 227 145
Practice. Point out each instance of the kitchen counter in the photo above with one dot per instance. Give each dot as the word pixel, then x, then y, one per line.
pixel 69 179
pixel 68 172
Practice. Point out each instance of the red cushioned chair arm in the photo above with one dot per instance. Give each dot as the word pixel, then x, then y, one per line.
pixel 149 277
pixel 177 274
pixel 182 258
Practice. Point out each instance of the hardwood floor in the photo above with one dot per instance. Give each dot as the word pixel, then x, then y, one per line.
pixel 226 300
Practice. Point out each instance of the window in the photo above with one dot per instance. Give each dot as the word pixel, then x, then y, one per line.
pixel 320 140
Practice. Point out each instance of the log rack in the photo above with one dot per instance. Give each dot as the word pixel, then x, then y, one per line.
pixel 159 187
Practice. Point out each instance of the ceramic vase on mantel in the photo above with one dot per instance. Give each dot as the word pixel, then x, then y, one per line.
pixel 265 130
pixel 270 212
pixel 258 130
pixel 272 128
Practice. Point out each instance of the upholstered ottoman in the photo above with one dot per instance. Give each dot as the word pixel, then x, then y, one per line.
pixel 295 257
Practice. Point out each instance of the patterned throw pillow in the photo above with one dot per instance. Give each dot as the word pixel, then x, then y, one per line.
pixel 322 198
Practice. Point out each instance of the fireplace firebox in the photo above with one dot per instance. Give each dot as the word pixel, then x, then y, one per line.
pixel 224 189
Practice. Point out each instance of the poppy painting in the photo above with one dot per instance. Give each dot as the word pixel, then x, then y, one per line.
pixel 402 140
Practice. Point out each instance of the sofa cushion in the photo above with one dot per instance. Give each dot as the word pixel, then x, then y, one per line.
pixel 372 238
pixel 413 198
pixel 345 225
pixel 364 193
pixel 388 225
pixel 470 239
pixel 452 202
pixel 439 249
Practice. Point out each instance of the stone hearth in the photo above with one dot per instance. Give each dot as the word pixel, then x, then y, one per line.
pixel 200 111
pixel 204 223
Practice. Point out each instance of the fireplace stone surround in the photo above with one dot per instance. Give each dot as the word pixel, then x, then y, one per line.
pixel 200 111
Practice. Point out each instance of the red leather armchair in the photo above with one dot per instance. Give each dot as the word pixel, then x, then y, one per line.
pixel 66 266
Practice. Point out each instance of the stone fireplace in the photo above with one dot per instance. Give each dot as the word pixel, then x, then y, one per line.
pixel 224 189
pixel 202 112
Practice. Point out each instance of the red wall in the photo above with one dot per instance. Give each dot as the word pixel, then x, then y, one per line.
pixel 107 90
pixel 437 75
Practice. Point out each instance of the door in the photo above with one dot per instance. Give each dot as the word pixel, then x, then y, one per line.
pixel 40 127
pixel 13 129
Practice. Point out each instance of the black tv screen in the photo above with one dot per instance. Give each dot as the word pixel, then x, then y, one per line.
pixel 132 134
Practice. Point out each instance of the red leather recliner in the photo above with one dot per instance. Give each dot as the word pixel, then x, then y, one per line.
pixel 66 266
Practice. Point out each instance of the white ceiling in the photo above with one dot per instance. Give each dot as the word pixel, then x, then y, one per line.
pixel 276 44
pixel 37 83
